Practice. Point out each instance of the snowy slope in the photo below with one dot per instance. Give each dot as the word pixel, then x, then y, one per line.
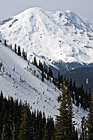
pixel 51 36
pixel 17 79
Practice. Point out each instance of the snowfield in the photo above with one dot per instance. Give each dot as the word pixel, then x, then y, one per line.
pixel 50 36
pixel 21 79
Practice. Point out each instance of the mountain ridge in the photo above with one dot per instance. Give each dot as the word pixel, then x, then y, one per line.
pixel 50 36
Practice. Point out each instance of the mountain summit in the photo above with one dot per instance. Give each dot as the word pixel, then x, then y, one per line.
pixel 50 36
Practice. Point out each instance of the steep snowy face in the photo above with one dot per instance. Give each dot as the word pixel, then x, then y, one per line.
pixel 22 80
pixel 51 36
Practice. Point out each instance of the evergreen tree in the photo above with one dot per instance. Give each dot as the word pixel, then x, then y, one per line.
pixel 1 65
pixel 49 129
pixel 70 117
pixel 46 137
pixel 15 48
pixel 64 124
pixel 83 128
pixel 19 51
pixel 50 72
pixel 59 80
pixel 35 62
pixel 5 43
pixel 90 120
pixel 47 75
pixel 40 66
pixel 13 132
pixel 24 54
pixel 4 133
pixel 24 129
pixel 42 75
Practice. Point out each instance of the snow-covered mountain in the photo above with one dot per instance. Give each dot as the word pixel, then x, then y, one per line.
pixel 51 36
pixel 21 79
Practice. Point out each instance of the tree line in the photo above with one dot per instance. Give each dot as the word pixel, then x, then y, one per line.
pixel 80 97
pixel 18 122
pixel 17 50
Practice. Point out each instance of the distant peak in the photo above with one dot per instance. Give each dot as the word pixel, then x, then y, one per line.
pixel 68 11
pixel 34 9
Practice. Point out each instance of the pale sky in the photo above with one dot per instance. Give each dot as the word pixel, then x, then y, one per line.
pixel 84 8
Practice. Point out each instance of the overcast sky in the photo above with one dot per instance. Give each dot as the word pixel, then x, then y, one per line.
pixel 84 8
